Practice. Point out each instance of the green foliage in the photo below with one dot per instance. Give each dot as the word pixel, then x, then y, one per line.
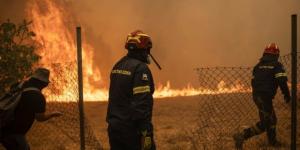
pixel 17 53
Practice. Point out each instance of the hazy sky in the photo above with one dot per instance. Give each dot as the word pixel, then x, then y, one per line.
pixel 186 33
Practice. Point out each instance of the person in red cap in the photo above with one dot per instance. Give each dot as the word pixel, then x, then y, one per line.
pixel 268 75
pixel 129 113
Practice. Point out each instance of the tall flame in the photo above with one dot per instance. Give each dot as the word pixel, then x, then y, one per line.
pixel 53 25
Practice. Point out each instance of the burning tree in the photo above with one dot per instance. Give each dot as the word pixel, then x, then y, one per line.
pixel 17 53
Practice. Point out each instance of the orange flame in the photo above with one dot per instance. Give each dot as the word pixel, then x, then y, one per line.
pixel 167 91
pixel 52 24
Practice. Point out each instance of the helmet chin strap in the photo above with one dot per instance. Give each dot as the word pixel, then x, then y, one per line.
pixel 156 63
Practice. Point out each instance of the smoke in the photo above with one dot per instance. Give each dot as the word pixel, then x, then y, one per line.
pixel 186 34
pixel 12 10
pixel 191 33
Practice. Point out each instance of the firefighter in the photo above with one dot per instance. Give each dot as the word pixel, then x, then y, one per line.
pixel 130 97
pixel 268 74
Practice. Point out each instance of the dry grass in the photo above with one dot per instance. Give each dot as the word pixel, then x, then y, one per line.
pixel 174 119
pixel 223 115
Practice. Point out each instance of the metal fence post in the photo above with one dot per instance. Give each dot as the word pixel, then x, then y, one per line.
pixel 80 88
pixel 294 83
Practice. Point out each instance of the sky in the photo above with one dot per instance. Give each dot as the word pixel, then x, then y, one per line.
pixel 186 34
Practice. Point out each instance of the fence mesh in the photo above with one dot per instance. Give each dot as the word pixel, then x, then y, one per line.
pixel 224 113
pixel 62 133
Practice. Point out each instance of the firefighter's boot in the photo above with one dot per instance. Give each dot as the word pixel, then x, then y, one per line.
pixel 239 140
pixel 271 133
pixel 276 143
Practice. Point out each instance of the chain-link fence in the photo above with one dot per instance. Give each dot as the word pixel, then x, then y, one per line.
pixel 224 113
pixel 62 133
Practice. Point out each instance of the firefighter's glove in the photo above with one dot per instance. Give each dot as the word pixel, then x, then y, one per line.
pixel 146 132
pixel 287 99
pixel 146 140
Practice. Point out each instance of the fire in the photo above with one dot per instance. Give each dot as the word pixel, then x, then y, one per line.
pixel 167 91
pixel 53 25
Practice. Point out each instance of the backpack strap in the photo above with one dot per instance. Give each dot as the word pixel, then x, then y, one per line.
pixel 21 85
pixel 18 98
pixel 13 100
